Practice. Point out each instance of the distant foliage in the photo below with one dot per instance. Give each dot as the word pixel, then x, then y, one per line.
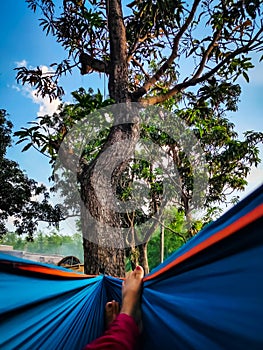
pixel 176 234
pixel 43 243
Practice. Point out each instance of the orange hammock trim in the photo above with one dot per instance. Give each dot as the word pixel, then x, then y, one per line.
pixel 227 231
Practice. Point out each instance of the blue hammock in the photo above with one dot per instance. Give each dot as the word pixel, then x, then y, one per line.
pixel 208 295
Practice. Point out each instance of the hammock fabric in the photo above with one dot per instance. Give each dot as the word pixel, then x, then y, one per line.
pixel 207 295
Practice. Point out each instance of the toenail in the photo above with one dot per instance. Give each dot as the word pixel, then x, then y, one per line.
pixel 138 268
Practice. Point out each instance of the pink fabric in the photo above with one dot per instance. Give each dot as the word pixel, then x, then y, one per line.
pixel 123 334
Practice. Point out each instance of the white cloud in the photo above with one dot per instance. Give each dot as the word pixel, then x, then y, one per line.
pixel 45 106
pixel 22 63
pixel 254 179
pixel 256 176
pixel 46 69
pixel 15 87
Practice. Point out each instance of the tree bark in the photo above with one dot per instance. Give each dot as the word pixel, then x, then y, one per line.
pixel 143 258
pixel 101 260
pixel 118 66
pixel 101 224
pixel 104 243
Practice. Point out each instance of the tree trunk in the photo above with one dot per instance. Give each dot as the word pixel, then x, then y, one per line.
pixel 104 239
pixel 104 243
pixel 143 258
pixel 161 243
pixel 118 65
pixel 108 261
pixel 133 255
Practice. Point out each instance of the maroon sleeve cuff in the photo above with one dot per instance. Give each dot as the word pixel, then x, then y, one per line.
pixel 122 334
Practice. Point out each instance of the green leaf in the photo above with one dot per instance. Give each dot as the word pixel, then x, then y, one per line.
pixel 27 147
pixel 245 75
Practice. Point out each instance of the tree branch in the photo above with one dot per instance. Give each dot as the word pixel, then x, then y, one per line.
pixel 197 79
pixel 89 64
pixel 168 228
pixel 140 66
pixel 68 159
pixel 151 230
pixel 150 82
pixel 206 54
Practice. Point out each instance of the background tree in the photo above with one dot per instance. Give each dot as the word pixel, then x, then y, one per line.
pixel 140 46
pixel 51 243
pixel 176 233
pixel 22 200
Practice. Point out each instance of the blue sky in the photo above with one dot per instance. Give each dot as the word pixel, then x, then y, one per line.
pixel 22 41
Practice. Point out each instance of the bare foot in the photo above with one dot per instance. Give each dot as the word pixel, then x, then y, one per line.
pixel 131 293
pixel 112 309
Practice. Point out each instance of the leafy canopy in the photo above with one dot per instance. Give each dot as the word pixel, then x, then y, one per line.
pixel 22 199
pixel 171 44
pixel 229 159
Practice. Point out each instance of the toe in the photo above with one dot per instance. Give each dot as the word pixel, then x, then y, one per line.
pixel 108 307
pixel 115 307
pixel 139 272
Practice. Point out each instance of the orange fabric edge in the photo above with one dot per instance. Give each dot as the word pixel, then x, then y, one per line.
pixel 227 231
pixel 54 272
pixel 51 271
pixel 48 270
